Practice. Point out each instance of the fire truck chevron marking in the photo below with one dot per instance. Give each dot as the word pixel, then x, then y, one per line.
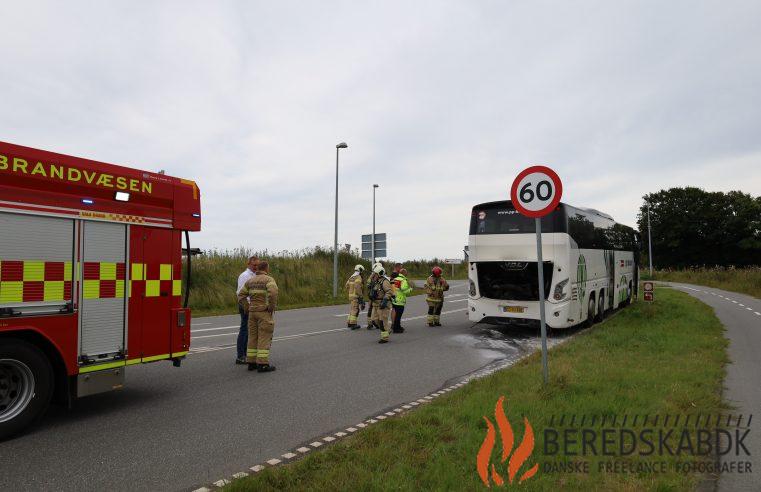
pixel 42 281
pixel 34 281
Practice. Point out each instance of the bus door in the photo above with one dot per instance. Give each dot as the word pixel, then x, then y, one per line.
pixel 611 279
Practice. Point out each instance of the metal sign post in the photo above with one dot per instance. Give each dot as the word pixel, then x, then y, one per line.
pixel 536 192
pixel 453 262
pixel 540 269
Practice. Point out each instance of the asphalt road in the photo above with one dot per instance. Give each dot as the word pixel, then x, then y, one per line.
pixel 741 316
pixel 179 428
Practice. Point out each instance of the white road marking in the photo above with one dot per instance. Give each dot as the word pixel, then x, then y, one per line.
pixel 329 439
pixel 289 456
pixel 317 444
pixel 256 468
pixel 749 309
pixel 240 475
pixel 730 299
pixel 696 290
pixel 351 429
pixel 215 329
pixel 303 450
pixel 200 324
pixel 273 462
pixel 213 336
pixel 460 300
pixel 285 337
pixel 443 312
pixel 757 313
pixel 741 305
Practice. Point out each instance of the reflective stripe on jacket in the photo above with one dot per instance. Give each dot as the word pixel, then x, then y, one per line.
pixel 355 286
pixel 403 289
pixel 262 293
pixel 434 288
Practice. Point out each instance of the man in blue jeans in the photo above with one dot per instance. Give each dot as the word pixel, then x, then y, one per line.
pixel 247 274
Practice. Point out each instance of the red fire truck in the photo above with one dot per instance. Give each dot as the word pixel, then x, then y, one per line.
pixel 90 276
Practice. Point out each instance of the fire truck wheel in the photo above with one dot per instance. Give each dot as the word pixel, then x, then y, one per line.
pixel 26 385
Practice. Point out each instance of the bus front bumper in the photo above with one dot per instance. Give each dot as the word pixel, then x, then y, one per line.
pixel 521 313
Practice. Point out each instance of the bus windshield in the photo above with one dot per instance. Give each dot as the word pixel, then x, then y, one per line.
pixel 502 218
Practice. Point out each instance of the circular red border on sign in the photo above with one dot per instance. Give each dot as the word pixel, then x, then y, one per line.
pixel 549 208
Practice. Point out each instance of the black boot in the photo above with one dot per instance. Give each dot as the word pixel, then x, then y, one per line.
pixel 266 368
pixel 253 366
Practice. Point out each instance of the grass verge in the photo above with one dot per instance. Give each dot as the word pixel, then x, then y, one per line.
pixel 661 358
pixel 743 280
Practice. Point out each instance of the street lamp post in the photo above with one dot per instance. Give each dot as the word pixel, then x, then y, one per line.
pixel 649 241
pixel 341 145
pixel 373 238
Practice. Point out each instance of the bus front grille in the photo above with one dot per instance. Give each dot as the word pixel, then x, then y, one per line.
pixel 512 280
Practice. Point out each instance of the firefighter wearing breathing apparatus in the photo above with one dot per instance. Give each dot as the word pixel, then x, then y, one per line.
pixel 380 295
pixel 369 289
pixel 435 287
pixel 356 289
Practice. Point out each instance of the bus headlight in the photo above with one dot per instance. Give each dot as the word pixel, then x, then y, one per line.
pixel 472 288
pixel 560 292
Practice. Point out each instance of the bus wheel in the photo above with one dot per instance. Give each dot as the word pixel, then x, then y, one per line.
pixel 600 315
pixel 26 385
pixel 591 311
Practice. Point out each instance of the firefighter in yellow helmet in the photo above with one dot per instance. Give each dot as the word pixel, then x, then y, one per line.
pixel 435 287
pixel 356 289
pixel 262 294
pixel 381 296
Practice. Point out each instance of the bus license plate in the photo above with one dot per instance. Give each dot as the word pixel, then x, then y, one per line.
pixel 513 309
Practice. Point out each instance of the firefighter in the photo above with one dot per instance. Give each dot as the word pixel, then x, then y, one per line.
pixel 401 290
pixel 435 287
pixel 262 292
pixel 356 288
pixel 370 288
pixel 242 341
pixel 381 296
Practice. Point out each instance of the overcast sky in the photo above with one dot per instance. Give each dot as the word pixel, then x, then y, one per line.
pixel 441 103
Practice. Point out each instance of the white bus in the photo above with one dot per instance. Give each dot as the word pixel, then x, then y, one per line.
pixel 590 266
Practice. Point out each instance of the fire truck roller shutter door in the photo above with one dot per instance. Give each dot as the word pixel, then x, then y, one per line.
pixel 103 301
pixel 36 255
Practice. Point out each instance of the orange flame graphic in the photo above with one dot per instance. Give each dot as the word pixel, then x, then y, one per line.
pixel 517 459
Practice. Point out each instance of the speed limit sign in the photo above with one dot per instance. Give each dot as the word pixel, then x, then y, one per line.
pixel 536 191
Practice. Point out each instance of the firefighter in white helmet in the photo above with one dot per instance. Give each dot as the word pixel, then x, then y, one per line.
pixel 381 299
pixel 356 289
pixel 369 289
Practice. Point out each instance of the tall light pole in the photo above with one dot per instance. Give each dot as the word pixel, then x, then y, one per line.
pixel 342 145
pixel 373 238
pixel 649 241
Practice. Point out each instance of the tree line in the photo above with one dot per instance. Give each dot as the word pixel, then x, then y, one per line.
pixel 693 227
